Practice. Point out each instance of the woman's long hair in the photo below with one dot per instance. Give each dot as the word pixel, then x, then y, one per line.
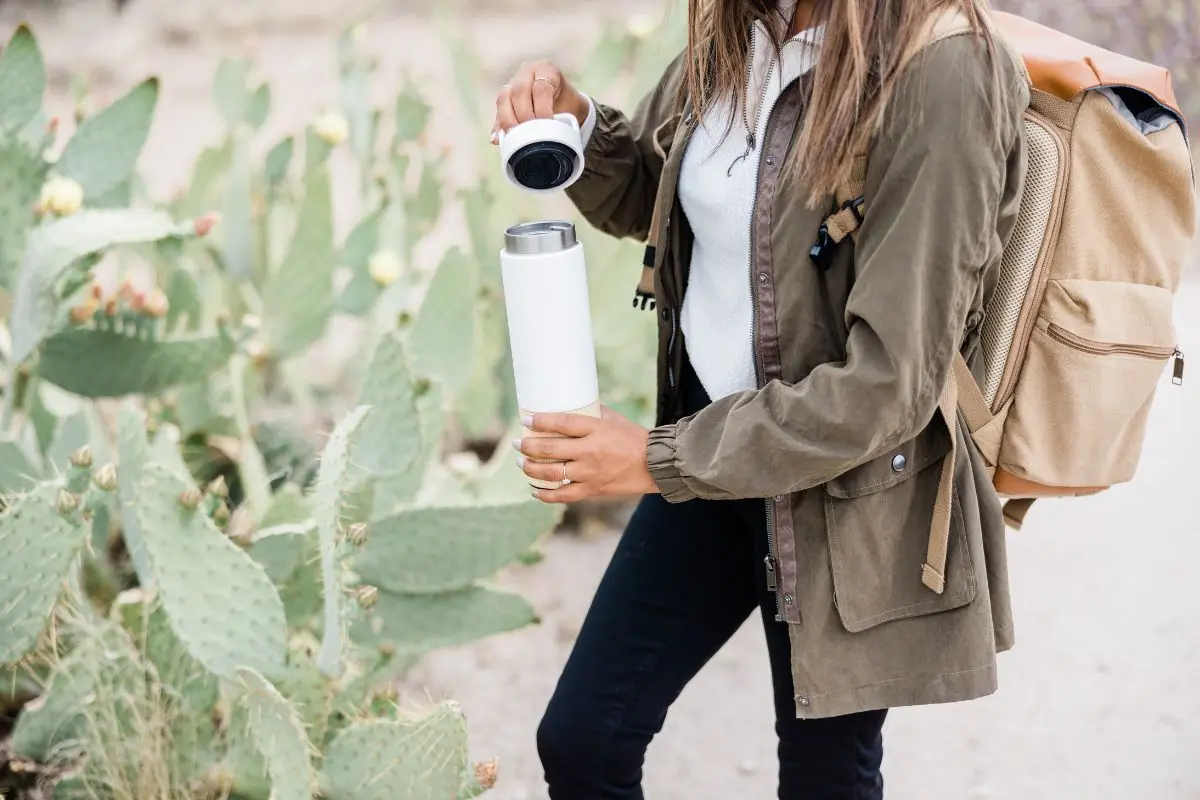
pixel 865 45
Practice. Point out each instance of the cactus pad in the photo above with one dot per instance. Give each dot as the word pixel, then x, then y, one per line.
pixel 19 467
pixel 362 291
pixel 415 624
pixel 98 363
pixel 53 247
pixel 443 335
pixel 442 549
pixel 132 449
pixel 279 733
pixel 297 300
pixel 279 159
pixel 389 439
pixel 220 603
pixel 38 545
pixel 195 687
pixel 104 150
pixel 22 173
pixel 238 223
pixel 419 759
pixel 22 80
pixel 333 479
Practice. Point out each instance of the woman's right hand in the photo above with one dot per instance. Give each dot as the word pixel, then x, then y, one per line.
pixel 536 91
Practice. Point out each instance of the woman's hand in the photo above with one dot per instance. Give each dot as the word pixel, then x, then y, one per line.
pixel 603 457
pixel 537 91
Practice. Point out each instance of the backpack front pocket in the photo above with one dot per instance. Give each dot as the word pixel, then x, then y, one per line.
pixel 1078 417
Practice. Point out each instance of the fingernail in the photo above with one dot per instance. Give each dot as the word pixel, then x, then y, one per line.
pixel 495 137
pixel 536 494
pixel 527 422
pixel 516 445
pixel 520 462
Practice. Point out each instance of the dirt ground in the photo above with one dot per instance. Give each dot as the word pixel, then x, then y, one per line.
pixel 1100 700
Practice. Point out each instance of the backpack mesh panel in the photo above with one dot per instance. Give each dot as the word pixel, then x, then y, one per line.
pixel 1018 268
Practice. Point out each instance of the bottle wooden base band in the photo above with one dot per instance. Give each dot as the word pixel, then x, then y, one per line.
pixel 590 411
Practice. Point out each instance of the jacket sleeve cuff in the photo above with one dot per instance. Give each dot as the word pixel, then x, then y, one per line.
pixel 664 467
pixel 589 125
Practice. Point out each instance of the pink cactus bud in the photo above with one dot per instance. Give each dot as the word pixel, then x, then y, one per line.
pixel 110 306
pixel 97 291
pixel 155 303
pixel 205 224
pixel 137 301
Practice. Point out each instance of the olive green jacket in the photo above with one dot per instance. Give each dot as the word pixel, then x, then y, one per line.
pixel 843 438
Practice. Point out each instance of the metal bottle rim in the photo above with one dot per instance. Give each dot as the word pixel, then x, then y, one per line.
pixel 537 238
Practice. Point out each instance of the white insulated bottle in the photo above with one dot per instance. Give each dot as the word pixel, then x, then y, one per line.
pixel 549 322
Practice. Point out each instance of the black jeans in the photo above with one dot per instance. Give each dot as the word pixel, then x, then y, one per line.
pixel 683 580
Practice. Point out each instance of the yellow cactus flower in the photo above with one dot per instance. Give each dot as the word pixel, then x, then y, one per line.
pixel 61 196
pixel 384 267
pixel 332 128
pixel 641 26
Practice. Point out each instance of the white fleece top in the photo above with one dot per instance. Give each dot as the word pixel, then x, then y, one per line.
pixel 717 187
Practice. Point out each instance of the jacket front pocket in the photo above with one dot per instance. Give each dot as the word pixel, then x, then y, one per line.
pixel 877 517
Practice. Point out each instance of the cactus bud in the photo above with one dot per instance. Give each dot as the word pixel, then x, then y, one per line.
pixel 251 322
pixel 67 502
pixel 641 27
pixel 203 225
pixel 386 694
pixel 126 289
pixel 110 307
pixel 190 499
pixel 257 352
pixel 356 534
pixel 421 387
pixel 218 487
pixel 137 301
pixel 404 319
pixel 221 514
pixel 156 303
pixel 106 478
pixel 82 457
pixel 384 267
pixel 366 596
pixel 61 196
pixel 332 128
pixel 487 773
pixel 386 650
pixel 97 291
pixel 84 312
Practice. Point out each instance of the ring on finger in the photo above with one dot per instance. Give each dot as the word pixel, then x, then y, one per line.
pixel 553 85
pixel 565 480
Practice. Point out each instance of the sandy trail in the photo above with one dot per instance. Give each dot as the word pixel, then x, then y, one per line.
pixel 1100 698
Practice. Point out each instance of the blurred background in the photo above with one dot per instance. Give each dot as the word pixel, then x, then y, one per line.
pixel 1098 700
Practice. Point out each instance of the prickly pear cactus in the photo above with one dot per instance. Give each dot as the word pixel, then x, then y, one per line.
pixel 104 150
pixel 333 479
pixel 220 603
pixel 430 550
pixel 389 439
pixel 40 538
pixel 279 733
pixel 114 363
pixel 443 335
pixel 417 759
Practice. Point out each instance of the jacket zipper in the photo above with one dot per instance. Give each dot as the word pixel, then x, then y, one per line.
pixel 770 563
pixel 752 133
pixel 1063 336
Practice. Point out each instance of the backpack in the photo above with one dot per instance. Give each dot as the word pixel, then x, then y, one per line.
pixel 1079 330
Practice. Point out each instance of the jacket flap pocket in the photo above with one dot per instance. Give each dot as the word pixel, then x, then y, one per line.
pixel 894 467
pixel 664 135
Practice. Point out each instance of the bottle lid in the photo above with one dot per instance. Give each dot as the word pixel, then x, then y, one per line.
pixel 537 238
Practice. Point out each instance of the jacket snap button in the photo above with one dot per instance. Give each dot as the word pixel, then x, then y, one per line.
pixel 802 699
pixel 666 314
pixel 788 600
pixel 762 277
pixel 770 161
pixel 899 463
pixel 779 498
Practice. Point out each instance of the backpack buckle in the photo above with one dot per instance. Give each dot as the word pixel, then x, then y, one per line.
pixel 823 249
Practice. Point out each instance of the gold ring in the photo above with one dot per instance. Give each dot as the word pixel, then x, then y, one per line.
pixel 565 480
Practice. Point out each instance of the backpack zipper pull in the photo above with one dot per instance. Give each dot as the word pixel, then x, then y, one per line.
pixel 1177 375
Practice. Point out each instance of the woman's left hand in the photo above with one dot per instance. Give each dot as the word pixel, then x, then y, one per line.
pixel 603 457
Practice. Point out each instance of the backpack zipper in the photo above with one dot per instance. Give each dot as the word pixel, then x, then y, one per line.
pixel 1075 342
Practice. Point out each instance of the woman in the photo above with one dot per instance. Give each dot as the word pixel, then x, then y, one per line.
pixel 799 444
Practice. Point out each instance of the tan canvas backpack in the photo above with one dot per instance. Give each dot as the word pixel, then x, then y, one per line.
pixel 1080 329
